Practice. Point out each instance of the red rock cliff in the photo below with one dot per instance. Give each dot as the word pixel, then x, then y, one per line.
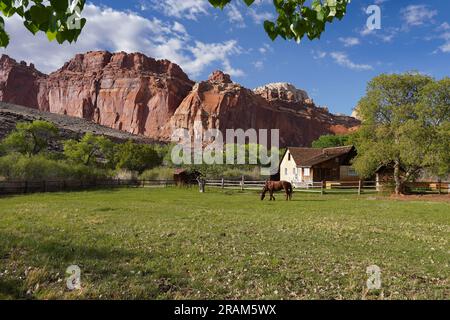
pixel 221 104
pixel 141 95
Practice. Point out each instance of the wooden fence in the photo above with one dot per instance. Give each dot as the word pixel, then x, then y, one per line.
pixel 314 187
pixel 22 187
pixel 324 187
pixel 331 187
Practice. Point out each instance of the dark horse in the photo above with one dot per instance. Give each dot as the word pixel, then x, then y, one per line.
pixel 273 186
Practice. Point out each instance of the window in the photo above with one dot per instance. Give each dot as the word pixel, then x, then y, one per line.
pixel 293 171
pixel 289 157
pixel 285 171
pixel 352 172
pixel 306 172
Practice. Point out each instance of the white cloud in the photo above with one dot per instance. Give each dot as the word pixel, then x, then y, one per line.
pixel 152 37
pixel 442 33
pixel 206 53
pixel 349 41
pixel 266 48
pixel 178 27
pixel 234 15
pixel 416 15
pixel 259 17
pixel 342 59
pixel 445 26
pixel 318 54
pixel 385 34
pixel 445 47
pixel 259 65
pixel 188 9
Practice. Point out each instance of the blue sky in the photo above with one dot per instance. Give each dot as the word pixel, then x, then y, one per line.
pixel 334 70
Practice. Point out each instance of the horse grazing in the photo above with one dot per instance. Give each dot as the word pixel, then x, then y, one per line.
pixel 273 186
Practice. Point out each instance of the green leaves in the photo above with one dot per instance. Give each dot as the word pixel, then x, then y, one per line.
pixel 58 19
pixel 296 19
pixel 4 38
pixel 406 119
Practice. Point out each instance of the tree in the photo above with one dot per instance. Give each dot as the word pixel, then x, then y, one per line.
pixel 296 19
pixel 136 157
pixel 330 140
pixel 434 114
pixel 59 19
pixel 405 124
pixel 30 138
pixel 89 150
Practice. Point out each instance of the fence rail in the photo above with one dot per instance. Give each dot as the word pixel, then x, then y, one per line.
pixel 21 187
pixel 323 187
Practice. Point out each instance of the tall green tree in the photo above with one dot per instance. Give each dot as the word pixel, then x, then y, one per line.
pixel 58 19
pixel 405 124
pixel 297 18
pixel 330 140
pixel 136 157
pixel 30 138
pixel 90 150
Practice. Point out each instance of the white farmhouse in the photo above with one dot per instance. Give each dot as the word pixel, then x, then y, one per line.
pixel 307 165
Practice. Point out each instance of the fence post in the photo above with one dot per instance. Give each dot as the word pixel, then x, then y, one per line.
pixel 321 188
pixel 242 183
pixel 439 186
pixel 223 183
pixel 44 186
pixel 359 187
pixel 201 185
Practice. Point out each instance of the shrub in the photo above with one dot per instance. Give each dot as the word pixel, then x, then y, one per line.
pixel 136 157
pixel 159 173
pixel 16 166
pixel 124 174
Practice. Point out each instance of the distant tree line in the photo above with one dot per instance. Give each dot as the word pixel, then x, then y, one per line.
pixel 25 154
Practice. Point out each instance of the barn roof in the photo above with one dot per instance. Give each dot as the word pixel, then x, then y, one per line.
pixel 307 157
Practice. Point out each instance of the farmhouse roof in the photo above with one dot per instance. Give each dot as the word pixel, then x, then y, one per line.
pixel 307 157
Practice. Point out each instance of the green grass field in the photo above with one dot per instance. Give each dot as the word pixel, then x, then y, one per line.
pixel 177 243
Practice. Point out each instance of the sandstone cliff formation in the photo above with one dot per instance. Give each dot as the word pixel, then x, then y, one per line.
pixel 141 95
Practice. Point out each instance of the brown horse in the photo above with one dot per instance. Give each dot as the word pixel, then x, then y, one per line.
pixel 273 186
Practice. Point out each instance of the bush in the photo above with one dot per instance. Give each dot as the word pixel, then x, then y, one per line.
pixel 16 166
pixel 124 174
pixel 159 173
pixel 136 157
